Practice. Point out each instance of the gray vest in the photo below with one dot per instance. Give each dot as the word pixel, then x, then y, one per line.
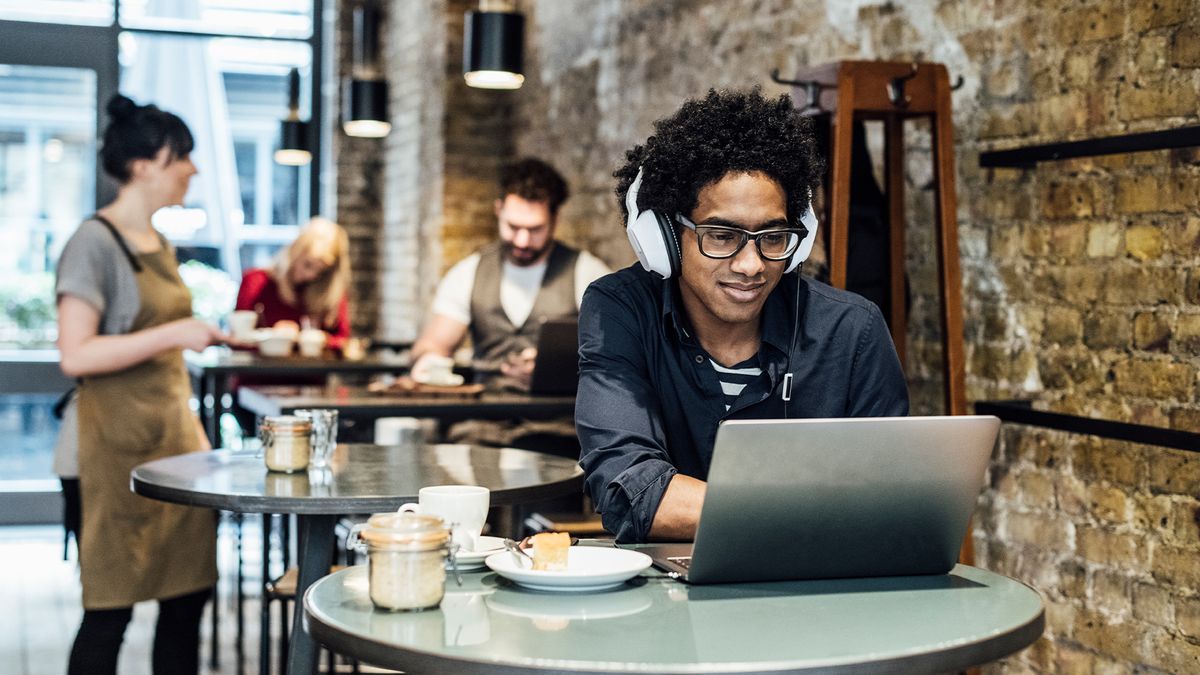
pixel 492 333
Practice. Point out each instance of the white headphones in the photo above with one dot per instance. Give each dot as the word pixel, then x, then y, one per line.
pixel 652 235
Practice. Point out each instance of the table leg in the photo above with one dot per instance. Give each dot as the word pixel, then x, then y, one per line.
pixel 315 557
pixel 210 416
pixel 217 387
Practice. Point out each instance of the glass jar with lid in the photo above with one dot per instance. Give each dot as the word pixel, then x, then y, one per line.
pixel 406 555
pixel 286 442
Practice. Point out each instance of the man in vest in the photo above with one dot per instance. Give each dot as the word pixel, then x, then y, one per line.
pixel 503 293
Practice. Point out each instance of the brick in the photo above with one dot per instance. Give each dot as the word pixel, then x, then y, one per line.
pixel 1154 514
pixel 1173 97
pixel 1141 285
pixel 1155 379
pixel 1192 287
pixel 1153 604
pixel 1095 630
pixel 1108 503
pixel 1110 593
pixel 1071 660
pixel 1140 194
pixel 1174 472
pixel 1187 334
pixel 1107 330
pixel 1178 567
pixel 1111 548
pixel 1186 419
pixel 1159 13
pixel 1035 489
pixel 1118 463
pixel 1187 613
pixel 1185 47
pixel 1144 242
pixel 1105 240
pixel 1186 522
pixel 1090 23
pixel 1064 325
pixel 1152 331
pixel 1183 237
pixel 1171 653
pixel 1042 531
pixel 1068 200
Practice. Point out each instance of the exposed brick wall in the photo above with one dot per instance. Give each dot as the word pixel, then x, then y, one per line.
pixel 1082 278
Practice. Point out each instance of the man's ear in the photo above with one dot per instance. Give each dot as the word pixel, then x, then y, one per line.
pixel 499 204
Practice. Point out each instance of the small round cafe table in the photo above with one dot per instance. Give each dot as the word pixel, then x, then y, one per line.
pixel 653 624
pixel 361 479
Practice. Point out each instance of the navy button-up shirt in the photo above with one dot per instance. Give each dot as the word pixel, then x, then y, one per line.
pixel 649 401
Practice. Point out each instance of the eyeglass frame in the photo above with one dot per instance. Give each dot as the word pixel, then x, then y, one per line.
pixel 747 236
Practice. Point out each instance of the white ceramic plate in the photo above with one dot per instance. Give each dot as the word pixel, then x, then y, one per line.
pixel 589 568
pixel 473 560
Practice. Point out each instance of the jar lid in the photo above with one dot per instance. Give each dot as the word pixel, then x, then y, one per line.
pixel 409 531
pixel 287 424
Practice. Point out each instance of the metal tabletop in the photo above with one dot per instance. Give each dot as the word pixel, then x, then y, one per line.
pixel 361 479
pixel 357 402
pixel 940 623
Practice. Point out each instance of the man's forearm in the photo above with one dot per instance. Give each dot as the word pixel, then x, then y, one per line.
pixel 679 511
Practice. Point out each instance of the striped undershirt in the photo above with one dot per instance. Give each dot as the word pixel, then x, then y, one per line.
pixel 734 380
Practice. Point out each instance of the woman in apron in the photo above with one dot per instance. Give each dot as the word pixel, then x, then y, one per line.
pixel 124 317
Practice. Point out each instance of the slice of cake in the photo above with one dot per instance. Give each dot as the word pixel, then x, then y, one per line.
pixel 550 550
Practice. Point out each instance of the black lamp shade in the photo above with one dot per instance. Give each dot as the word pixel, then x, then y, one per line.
pixel 365 108
pixel 493 50
pixel 293 133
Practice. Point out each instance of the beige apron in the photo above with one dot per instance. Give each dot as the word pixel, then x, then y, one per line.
pixel 135 548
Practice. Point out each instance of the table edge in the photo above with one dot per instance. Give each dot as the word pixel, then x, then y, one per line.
pixel 967 655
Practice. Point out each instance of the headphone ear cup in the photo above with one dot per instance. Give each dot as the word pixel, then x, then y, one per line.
pixel 654 251
pixel 809 221
pixel 669 236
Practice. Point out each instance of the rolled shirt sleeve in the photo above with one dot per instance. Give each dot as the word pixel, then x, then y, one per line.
pixel 619 420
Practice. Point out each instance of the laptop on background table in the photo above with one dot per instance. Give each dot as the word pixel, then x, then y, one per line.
pixel 556 368
pixel 834 498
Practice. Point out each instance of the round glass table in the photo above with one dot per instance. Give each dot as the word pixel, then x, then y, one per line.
pixel 654 624
pixel 360 479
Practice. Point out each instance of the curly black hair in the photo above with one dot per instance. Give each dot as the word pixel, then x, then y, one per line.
pixel 726 131
pixel 534 180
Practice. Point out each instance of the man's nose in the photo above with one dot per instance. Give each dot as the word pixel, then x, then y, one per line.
pixel 747 262
pixel 521 238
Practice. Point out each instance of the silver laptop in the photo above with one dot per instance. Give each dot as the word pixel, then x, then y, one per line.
pixel 831 498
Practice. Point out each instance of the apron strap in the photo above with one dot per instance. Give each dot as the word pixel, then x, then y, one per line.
pixel 133 261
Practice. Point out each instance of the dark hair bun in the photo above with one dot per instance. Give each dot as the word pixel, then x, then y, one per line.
pixel 120 107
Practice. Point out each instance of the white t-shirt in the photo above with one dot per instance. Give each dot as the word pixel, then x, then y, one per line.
pixel 519 287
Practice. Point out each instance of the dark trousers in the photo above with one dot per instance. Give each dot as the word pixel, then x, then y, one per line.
pixel 176 638
pixel 72 516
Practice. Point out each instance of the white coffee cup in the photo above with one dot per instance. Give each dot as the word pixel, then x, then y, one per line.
pixel 312 342
pixel 436 369
pixel 242 324
pixel 463 507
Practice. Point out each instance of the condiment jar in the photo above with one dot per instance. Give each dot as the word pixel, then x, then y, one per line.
pixel 286 442
pixel 406 555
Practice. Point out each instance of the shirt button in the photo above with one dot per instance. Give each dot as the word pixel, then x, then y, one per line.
pixel 699 359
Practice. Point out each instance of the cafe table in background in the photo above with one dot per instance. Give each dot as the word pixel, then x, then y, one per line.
pixel 361 479
pixel 215 367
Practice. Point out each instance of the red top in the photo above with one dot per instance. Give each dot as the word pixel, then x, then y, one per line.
pixel 260 293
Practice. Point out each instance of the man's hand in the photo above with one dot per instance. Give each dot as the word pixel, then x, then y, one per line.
pixel 518 366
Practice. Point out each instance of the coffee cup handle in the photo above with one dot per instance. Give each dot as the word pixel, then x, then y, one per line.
pixel 409 508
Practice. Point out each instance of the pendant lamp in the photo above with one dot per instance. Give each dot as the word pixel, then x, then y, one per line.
pixel 293 134
pixel 493 47
pixel 365 92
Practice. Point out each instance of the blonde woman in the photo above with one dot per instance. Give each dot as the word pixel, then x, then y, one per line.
pixel 308 280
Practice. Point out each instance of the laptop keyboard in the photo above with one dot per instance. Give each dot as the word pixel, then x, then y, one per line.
pixel 684 561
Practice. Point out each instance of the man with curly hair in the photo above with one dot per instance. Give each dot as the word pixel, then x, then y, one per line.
pixel 712 333
pixel 502 293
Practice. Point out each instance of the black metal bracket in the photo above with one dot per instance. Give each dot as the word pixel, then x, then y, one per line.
pixel 895 88
pixel 1022 412
pixel 812 90
pixel 1029 156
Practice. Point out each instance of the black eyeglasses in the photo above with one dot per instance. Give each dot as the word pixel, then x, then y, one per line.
pixel 720 241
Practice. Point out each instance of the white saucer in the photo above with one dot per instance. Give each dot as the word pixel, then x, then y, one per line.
pixel 473 560
pixel 589 568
